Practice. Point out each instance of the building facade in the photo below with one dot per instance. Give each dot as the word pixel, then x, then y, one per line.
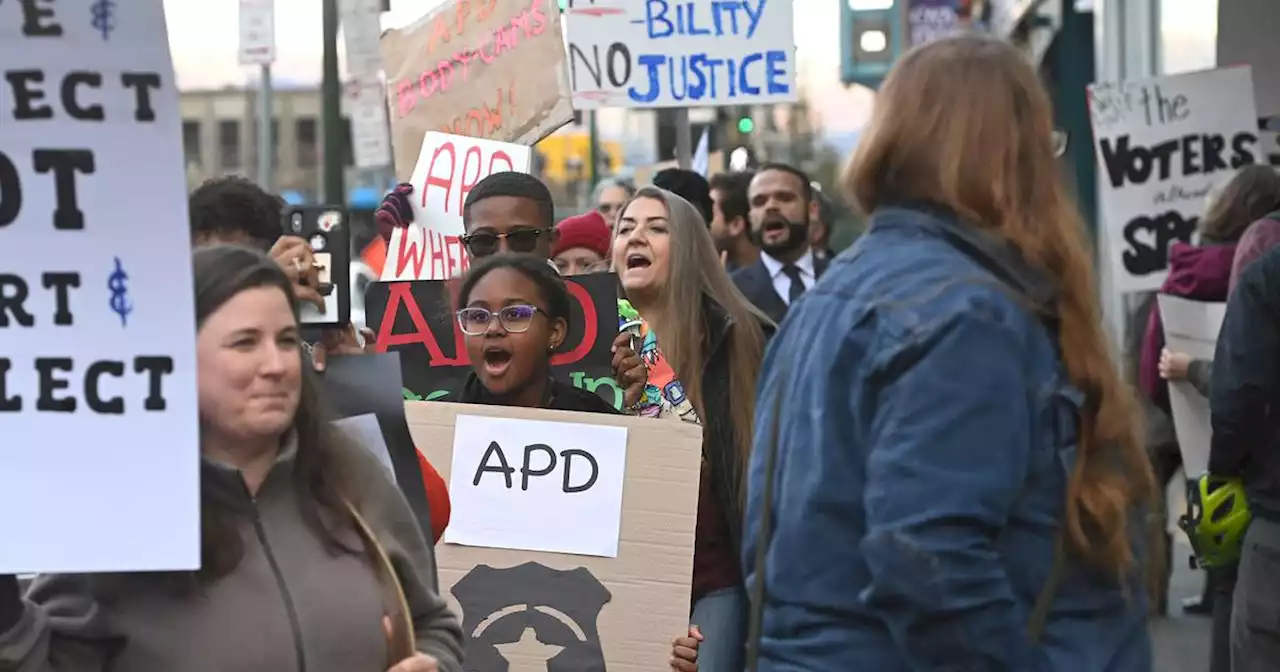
pixel 220 137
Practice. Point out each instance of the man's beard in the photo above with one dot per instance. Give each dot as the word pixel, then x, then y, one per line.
pixel 797 236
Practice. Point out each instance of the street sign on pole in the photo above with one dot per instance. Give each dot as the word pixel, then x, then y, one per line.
pixel 257 32
pixel 366 106
pixel 361 29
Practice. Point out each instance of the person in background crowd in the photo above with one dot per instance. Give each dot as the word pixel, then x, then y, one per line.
pixel 731 220
pixel 513 212
pixel 1243 399
pixel 1202 273
pixel 782 207
pixel 971 494
pixel 609 197
pixel 820 227
pixel 582 244
pixel 1260 237
pixel 235 210
pixel 509 212
pixel 704 346
pixel 288 580
pixel 514 311
pixel 689 185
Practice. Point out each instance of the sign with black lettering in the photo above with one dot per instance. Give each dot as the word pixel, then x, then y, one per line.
pixel 97 328
pixel 515 483
pixel 546 610
pixel 1162 144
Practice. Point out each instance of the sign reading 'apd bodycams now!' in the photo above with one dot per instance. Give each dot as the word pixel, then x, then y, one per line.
pixel 97 331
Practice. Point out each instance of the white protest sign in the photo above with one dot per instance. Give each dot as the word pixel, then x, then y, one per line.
pixel 1191 327
pixel 537 486
pixel 448 168
pixel 1162 144
pixel 365 430
pixel 668 53
pixel 100 466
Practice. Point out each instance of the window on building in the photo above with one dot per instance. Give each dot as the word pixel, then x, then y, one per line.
pixel 230 150
pixel 307 139
pixel 191 142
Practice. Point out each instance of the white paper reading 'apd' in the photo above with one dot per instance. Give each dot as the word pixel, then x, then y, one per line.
pixel 99 461
pixel 538 486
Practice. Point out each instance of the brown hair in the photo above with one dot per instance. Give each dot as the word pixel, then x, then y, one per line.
pixel 320 471
pixel 1252 193
pixel 965 123
pixel 695 271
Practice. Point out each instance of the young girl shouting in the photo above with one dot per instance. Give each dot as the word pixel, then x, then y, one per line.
pixel 514 312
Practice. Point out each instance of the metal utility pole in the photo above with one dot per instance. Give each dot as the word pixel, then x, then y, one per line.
pixel 331 109
pixel 593 150
pixel 684 139
pixel 258 47
pixel 266 146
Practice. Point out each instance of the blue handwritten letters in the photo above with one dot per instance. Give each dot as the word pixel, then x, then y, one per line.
pixel 681 53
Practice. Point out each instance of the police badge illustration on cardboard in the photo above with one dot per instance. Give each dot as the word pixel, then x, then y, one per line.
pixel 532 607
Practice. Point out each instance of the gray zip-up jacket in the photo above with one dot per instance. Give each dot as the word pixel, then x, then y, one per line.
pixel 290 605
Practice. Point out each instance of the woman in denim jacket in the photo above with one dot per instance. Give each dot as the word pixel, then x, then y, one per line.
pixel 948 439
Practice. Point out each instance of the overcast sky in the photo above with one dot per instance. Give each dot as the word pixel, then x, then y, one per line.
pixel 203 36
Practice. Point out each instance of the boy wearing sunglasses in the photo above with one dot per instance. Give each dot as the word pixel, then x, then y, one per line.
pixel 504 212
pixel 513 212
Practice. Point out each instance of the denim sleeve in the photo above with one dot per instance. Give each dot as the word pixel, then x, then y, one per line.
pixel 950 447
pixel 1244 371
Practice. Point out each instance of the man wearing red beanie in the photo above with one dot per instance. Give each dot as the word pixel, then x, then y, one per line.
pixel 582 245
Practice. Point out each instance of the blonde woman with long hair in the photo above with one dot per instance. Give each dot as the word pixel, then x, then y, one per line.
pixel 947 472
pixel 703 343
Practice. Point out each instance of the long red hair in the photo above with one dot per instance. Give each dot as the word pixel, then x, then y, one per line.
pixel 965 123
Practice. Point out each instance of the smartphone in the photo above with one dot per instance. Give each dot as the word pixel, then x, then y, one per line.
pixel 327 229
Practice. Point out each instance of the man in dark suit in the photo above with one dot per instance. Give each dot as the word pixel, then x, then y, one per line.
pixel 782 207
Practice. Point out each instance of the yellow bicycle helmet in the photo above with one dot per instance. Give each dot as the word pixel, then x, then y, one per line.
pixel 1216 519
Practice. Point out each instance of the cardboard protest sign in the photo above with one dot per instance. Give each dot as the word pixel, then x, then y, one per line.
pixel 97 327
pixel 416 320
pixel 1162 144
pixel 1191 327
pixel 661 53
pixel 532 610
pixel 448 168
pixel 365 393
pixel 490 69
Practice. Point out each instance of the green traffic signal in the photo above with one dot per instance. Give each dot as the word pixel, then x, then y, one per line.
pixel 564 4
pixel 746 125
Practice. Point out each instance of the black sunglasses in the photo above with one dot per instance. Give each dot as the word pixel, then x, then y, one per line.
pixel 485 243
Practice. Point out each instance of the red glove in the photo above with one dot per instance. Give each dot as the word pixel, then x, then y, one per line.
pixel 395 210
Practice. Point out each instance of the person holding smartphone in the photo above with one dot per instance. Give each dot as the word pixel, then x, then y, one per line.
pixel 235 210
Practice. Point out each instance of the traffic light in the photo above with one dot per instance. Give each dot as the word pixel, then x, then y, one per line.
pixel 746 125
pixel 564 4
pixel 872 38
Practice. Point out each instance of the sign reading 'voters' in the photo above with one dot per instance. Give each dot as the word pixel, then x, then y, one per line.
pixel 88 124
pixel 1162 145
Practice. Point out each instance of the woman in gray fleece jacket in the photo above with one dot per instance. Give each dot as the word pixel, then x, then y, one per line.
pixel 288 579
